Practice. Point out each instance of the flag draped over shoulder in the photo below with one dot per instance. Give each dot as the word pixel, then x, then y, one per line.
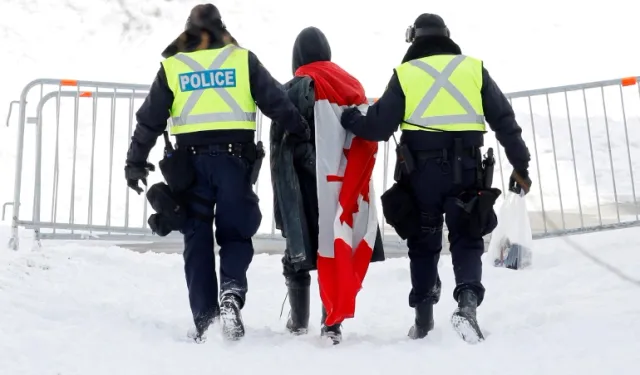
pixel 347 219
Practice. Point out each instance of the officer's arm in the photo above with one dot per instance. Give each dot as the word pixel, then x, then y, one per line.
pixel 502 120
pixel 151 119
pixel 271 99
pixel 382 119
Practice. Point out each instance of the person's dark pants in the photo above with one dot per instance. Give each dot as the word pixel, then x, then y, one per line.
pixel 297 278
pixel 433 185
pixel 224 180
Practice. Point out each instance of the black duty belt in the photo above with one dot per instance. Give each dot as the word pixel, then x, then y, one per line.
pixel 446 154
pixel 240 150
pixel 453 157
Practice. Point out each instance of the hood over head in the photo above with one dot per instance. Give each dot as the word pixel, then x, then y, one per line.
pixel 310 46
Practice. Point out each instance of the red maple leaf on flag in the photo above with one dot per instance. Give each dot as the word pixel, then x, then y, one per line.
pixel 360 162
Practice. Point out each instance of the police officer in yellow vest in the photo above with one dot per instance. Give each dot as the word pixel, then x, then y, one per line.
pixel 209 87
pixel 441 100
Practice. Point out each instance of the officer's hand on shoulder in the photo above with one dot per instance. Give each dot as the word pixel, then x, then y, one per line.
pixel 520 181
pixel 302 133
pixel 135 172
pixel 349 116
pixel 295 138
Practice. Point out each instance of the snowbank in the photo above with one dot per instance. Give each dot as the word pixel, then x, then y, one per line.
pixel 87 309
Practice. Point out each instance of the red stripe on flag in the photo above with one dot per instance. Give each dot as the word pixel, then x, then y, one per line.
pixel 338 283
pixel 340 279
pixel 361 260
pixel 334 178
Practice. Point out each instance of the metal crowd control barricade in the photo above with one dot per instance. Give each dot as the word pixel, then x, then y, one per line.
pixel 583 141
pixel 36 126
pixel 95 136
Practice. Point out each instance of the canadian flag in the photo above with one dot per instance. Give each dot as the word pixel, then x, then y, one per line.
pixel 348 220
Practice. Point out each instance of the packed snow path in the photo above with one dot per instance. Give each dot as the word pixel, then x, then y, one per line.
pixel 78 309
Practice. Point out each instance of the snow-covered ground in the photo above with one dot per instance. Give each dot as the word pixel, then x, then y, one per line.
pixel 88 309
pixel 91 308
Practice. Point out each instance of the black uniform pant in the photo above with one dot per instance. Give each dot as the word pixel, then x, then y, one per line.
pixel 434 188
pixel 224 180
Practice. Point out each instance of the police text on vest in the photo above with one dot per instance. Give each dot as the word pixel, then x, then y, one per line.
pixel 207 79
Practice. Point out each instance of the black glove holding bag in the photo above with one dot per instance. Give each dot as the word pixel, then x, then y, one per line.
pixel 520 181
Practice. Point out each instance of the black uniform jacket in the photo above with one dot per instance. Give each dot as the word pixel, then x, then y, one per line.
pixel 384 117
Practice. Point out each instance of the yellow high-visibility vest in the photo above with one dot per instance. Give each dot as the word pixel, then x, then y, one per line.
pixel 442 93
pixel 211 90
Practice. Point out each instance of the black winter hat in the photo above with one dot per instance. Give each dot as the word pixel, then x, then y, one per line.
pixel 202 17
pixel 429 24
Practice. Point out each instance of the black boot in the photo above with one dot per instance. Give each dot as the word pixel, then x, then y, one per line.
pixel 333 332
pixel 464 318
pixel 298 322
pixel 232 325
pixel 424 320
pixel 198 333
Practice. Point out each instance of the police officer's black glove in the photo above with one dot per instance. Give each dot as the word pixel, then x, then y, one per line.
pixel 350 116
pixel 300 136
pixel 135 172
pixel 295 138
pixel 520 181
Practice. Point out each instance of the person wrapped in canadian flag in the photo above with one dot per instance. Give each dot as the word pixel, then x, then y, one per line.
pixel 340 236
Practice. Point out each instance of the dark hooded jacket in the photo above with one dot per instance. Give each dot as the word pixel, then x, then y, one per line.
pixel 293 166
pixel 384 117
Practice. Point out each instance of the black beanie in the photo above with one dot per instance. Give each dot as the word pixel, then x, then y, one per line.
pixel 433 22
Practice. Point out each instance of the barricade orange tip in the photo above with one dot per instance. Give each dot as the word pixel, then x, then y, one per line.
pixel 85 94
pixel 628 81
pixel 68 82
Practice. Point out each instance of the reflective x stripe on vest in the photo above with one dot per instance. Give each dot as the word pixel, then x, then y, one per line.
pixel 215 119
pixel 446 118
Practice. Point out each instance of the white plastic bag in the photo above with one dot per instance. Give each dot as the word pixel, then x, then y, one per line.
pixel 511 241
